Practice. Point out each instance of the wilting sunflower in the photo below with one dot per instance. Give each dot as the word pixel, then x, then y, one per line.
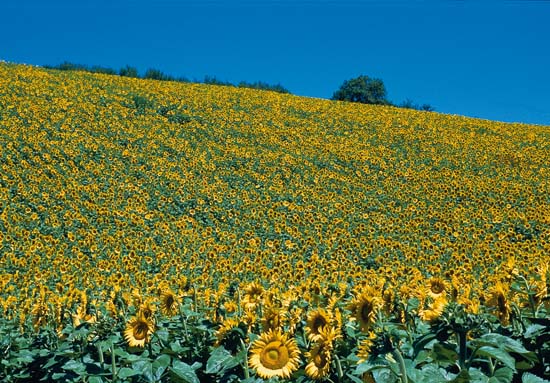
pixel 316 320
pixel 169 303
pixel 319 359
pixel 273 354
pixel 365 308
pixel 138 331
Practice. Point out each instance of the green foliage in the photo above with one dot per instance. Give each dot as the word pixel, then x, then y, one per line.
pixel 362 89
pixel 155 74
pixel 264 86
pixel 128 71
pixel 409 104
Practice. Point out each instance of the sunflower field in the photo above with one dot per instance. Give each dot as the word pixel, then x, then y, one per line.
pixel 155 231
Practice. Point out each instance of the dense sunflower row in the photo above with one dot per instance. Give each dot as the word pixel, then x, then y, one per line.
pixel 116 187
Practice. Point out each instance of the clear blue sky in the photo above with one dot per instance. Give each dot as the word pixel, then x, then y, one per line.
pixel 487 59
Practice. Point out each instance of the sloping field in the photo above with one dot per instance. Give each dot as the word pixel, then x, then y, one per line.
pixel 111 186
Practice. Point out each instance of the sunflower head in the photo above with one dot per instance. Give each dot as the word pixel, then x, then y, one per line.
pixel 319 360
pixel 169 303
pixel 272 319
pixel 138 331
pixel 434 311
pixel 364 350
pixel 273 354
pixel 146 309
pixel 316 320
pixel 230 334
pixel 365 308
pixel 498 299
pixel 252 296
pixel 437 287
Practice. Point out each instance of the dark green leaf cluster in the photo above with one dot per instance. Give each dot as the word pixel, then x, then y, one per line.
pixel 156 74
pixel 363 89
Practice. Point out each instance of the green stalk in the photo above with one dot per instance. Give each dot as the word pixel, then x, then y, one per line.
pixel 101 359
pixel 461 349
pixel 401 362
pixel 245 362
pixel 338 368
pixel 113 362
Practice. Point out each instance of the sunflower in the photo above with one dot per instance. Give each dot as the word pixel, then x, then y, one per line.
pixel 272 319
pixel 434 311
pixel 169 303
pixel 83 316
pixel 436 287
pixel 273 354
pixel 316 320
pixel 230 334
pixel 138 331
pixel 319 359
pixel 146 309
pixel 364 349
pixel 365 308
pixel 252 295
pixel 498 300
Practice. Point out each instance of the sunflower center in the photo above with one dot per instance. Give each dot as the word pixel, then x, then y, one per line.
pixel 169 301
pixel 140 331
pixel 366 311
pixel 437 288
pixel 274 356
pixel 320 359
pixel 318 323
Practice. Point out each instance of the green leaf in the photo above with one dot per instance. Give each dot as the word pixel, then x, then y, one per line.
pixel 220 361
pixel 502 342
pixel 354 378
pixel 95 379
pixel 368 366
pixel 420 343
pixel 444 353
pixel 145 368
pixel 498 354
pixel 74 366
pixel 126 372
pixel 160 365
pixel 531 378
pixel 162 361
pixel 533 330
pixel 502 375
pixel 184 371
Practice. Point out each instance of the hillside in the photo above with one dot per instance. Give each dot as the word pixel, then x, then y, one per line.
pixel 111 184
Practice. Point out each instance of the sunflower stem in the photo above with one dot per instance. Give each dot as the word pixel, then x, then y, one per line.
pixel 113 362
pixel 239 302
pixel 401 362
pixel 245 362
pixel 338 367
pixel 101 359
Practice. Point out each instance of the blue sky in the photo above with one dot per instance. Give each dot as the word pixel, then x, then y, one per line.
pixel 487 59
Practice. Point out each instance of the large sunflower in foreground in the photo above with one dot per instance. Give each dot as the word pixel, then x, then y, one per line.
pixel 273 354
pixel 138 331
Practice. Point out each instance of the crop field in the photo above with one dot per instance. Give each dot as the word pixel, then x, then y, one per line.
pixel 163 231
